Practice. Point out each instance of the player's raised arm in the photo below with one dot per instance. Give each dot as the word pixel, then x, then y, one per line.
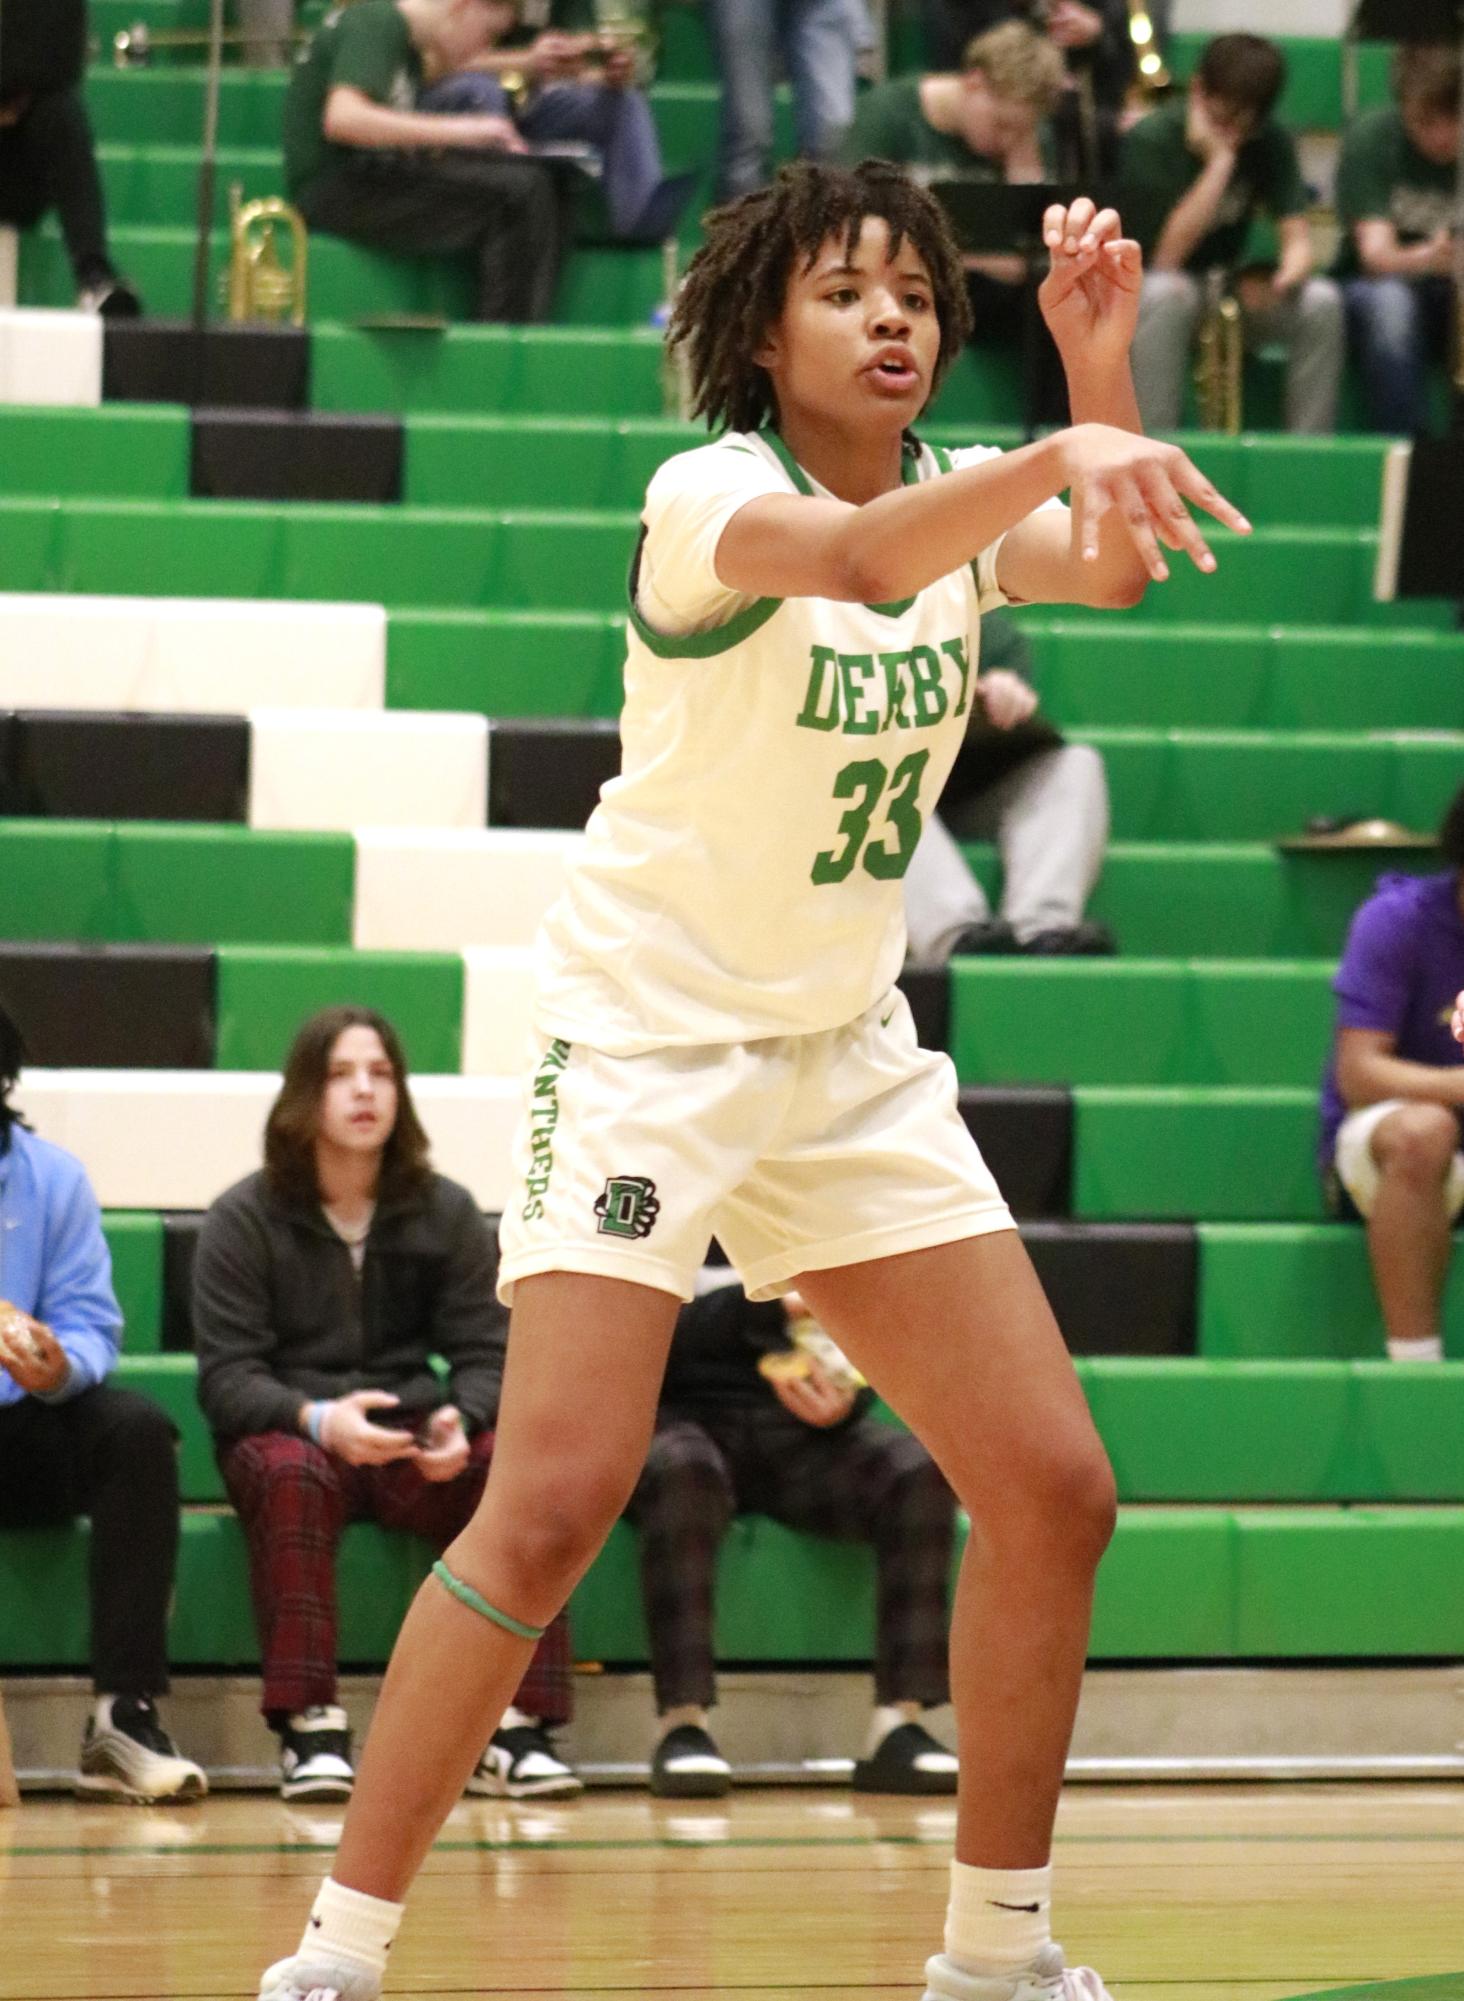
pixel 1128 491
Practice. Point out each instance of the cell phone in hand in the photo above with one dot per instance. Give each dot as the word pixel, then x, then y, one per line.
pixel 396 1417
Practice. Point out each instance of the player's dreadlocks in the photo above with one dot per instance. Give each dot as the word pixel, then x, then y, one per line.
pixel 737 281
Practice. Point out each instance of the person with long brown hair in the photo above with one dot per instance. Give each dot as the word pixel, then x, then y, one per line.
pixel 323 1284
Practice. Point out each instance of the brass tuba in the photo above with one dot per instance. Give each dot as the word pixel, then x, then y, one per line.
pixel 261 285
pixel 1220 358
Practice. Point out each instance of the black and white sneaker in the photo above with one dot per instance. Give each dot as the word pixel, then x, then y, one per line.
pixel 521 1763
pixel 315 1755
pixel 909 1760
pixel 128 1758
pixel 688 1766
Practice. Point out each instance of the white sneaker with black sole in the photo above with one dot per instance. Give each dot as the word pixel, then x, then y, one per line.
pixel 521 1763
pixel 128 1758
pixel 315 1755
pixel 1048 1978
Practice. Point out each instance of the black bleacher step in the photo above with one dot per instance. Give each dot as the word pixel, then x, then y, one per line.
pixel 1120 1288
pixel 295 455
pixel 91 765
pixel 929 995
pixel 181 1229
pixel 112 1007
pixel 547 773
pixel 225 367
pixel 1025 1133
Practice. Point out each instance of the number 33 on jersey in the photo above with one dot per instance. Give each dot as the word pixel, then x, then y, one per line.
pixel 742 877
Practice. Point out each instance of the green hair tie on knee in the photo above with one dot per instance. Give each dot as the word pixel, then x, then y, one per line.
pixel 476 1602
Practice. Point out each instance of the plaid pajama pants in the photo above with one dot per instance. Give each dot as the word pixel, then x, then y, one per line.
pixel 862 1482
pixel 294 1501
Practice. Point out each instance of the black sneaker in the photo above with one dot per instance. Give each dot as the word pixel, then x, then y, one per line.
pixel 1071 941
pixel 315 1755
pixel 991 935
pixel 688 1766
pixel 909 1760
pixel 128 1758
pixel 521 1763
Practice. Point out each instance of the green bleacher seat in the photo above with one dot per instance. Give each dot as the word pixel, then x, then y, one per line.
pixel 264 995
pixel 1274 1290
pixel 1228 1155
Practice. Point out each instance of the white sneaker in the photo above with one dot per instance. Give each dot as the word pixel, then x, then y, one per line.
pixel 127 1757
pixel 521 1763
pixel 1048 1978
pixel 315 1755
pixel 300 1979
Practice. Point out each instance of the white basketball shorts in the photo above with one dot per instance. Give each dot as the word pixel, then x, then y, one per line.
pixel 798 1153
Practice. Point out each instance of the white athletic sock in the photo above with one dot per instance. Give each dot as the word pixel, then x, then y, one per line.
pixel 515 1719
pixel 888 1716
pixel 1430 1349
pixel 351 1925
pixel 999 1919
pixel 687 1715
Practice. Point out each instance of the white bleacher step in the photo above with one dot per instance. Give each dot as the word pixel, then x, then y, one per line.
pixel 498 1006
pixel 193 656
pixel 333 769
pixel 175 1139
pixel 446 891
pixel 52 358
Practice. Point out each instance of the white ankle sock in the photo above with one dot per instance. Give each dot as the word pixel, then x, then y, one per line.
pixel 687 1716
pixel 351 1925
pixel 515 1719
pixel 1430 1349
pixel 999 1919
pixel 888 1716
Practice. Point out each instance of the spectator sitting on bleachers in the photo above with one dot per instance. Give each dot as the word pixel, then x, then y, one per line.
pixel 989 122
pixel 1393 1095
pixel 582 89
pixel 362 162
pixel 48 157
pixel 323 1286
pixel 1045 804
pixel 817 43
pixel 1093 40
pixel 749 1421
pixel 1194 175
pixel 1397 204
pixel 70 1445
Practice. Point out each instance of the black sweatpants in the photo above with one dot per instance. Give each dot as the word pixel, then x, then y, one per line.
pixel 858 1482
pixel 507 210
pixel 48 161
pixel 110 1454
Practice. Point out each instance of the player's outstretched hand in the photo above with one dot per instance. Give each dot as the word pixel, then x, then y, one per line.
pixel 1146 482
pixel 1456 1023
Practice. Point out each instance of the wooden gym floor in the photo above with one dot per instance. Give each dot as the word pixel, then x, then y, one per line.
pixel 1175 1894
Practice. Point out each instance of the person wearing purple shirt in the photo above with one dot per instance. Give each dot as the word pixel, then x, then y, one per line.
pixel 1392 1135
pixel 72 1445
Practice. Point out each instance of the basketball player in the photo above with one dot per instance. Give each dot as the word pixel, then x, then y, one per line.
pixel 721 1044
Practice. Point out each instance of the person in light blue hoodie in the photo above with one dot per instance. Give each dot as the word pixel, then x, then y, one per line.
pixel 70 1445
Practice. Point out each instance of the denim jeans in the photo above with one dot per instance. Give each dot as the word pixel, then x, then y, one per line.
pixel 1396 324
pixel 817 41
pixel 617 123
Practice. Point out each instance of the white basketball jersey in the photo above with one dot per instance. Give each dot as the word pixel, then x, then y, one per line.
pixel 742 877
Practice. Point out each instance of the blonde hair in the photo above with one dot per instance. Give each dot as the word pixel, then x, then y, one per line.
pixel 1018 64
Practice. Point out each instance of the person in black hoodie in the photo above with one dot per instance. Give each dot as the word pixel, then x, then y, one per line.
pixel 322 1286
pixel 760 1412
pixel 47 154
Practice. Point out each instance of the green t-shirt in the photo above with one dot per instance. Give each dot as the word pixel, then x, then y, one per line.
pixel 1157 170
pixel 1382 177
pixel 889 124
pixel 366 46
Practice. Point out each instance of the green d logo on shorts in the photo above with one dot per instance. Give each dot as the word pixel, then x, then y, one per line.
pixel 628 1207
